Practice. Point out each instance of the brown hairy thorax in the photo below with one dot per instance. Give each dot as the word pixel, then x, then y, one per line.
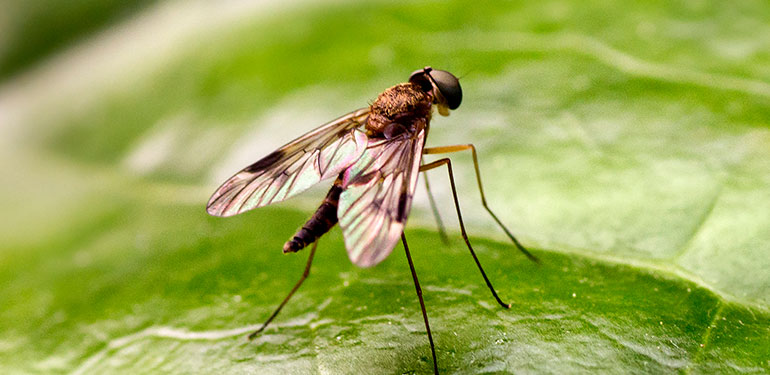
pixel 401 108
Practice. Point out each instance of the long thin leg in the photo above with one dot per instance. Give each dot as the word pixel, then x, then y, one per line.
pixel 296 286
pixel 422 303
pixel 439 222
pixel 456 148
pixel 448 163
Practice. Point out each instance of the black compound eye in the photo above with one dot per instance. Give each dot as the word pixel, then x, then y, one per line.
pixel 449 86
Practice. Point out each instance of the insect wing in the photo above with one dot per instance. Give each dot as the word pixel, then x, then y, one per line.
pixel 293 168
pixel 377 196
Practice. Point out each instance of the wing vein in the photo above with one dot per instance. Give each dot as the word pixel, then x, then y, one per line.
pixel 292 168
pixel 377 197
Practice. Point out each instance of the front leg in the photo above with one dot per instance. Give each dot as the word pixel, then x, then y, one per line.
pixel 457 148
pixel 436 214
pixel 448 163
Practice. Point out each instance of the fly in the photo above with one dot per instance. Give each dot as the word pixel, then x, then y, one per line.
pixel 374 155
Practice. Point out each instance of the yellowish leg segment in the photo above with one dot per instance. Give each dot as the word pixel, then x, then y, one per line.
pixel 457 148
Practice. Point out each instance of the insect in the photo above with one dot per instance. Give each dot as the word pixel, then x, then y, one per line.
pixel 375 155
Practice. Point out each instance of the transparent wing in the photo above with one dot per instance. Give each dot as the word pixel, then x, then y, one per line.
pixel 377 196
pixel 293 168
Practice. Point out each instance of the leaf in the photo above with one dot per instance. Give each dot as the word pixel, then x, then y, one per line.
pixel 626 143
pixel 36 28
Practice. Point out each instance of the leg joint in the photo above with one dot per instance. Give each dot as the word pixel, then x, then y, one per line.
pixel 436 164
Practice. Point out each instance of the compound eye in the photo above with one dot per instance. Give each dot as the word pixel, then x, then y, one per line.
pixel 449 86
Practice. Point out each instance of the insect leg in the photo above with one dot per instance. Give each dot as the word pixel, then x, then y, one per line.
pixel 422 303
pixel 456 148
pixel 304 276
pixel 448 163
pixel 439 222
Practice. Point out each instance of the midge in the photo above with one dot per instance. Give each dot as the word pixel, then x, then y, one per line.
pixel 374 154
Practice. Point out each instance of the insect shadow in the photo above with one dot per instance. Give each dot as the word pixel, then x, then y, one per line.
pixel 375 155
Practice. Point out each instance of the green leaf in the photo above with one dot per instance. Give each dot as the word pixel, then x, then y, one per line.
pixel 626 144
pixel 33 29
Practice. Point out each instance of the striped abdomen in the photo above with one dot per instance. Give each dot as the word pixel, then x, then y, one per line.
pixel 324 218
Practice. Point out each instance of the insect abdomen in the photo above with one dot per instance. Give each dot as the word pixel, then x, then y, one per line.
pixel 324 218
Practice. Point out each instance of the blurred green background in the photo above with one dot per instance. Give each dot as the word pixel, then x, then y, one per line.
pixel 627 143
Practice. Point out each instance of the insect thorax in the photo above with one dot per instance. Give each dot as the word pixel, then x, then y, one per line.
pixel 401 108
